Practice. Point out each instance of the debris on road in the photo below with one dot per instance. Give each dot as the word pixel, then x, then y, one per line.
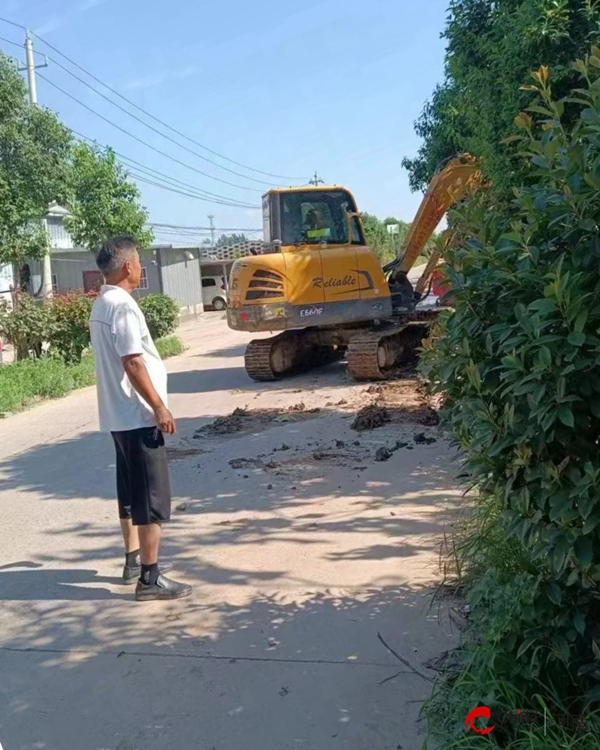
pixel 421 438
pixel 383 454
pixel 370 417
pixel 246 420
pixel 233 422
pixel 181 507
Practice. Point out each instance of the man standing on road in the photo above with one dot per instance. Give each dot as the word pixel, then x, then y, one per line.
pixel 132 403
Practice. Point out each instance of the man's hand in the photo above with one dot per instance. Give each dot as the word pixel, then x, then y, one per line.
pixel 165 421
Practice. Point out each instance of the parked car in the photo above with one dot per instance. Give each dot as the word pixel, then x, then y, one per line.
pixel 214 292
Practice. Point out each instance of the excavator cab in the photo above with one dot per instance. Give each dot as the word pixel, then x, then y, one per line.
pixel 316 268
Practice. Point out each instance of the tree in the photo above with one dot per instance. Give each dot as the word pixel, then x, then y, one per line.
pixel 34 148
pixel 102 201
pixel 517 362
pixel 492 46
pixel 227 240
pixel 386 246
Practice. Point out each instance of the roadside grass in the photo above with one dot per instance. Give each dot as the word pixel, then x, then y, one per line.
pixel 23 384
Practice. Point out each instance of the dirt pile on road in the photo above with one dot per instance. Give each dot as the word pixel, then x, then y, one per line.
pixel 233 422
pixel 370 417
pixel 252 420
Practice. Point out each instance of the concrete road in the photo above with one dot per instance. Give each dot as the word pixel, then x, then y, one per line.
pixel 302 554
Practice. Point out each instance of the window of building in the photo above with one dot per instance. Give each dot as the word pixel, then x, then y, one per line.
pixel 54 284
pixel 143 279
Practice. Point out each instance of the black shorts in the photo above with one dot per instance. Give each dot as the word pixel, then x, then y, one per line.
pixel 143 486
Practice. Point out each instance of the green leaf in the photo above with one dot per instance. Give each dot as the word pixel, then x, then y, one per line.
pixel 580 321
pixel 555 593
pixel 584 551
pixel 525 646
pixel 579 622
pixel 566 416
pixel 543 306
pixel 545 356
pixel 576 338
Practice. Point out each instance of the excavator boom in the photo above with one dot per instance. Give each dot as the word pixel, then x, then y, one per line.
pixel 446 188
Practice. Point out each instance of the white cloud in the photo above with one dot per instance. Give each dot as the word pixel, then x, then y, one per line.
pixel 144 82
pixel 48 27
pixel 184 72
pixel 89 4
pixel 150 81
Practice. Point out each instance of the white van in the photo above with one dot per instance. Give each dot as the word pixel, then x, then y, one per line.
pixel 214 292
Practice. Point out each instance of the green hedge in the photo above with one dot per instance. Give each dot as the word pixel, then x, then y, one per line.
pixel 24 383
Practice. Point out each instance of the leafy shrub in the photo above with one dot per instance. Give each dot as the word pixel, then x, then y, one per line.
pixel 69 330
pixel 161 313
pixel 170 347
pixel 23 383
pixel 27 382
pixel 26 325
pixel 519 364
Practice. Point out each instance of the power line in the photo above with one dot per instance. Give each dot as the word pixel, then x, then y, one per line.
pixel 153 129
pixel 12 23
pixel 156 119
pixel 140 140
pixel 232 203
pixel 191 195
pixel 218 229
pixel 138 165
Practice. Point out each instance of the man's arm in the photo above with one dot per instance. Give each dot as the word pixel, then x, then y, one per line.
pixel 135 369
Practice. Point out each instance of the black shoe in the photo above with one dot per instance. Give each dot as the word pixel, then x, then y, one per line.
pixel 164 588
pixel 132 572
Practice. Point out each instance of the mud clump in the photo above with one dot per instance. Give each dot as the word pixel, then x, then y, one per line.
pixel 370 417
pixel 383 454
pixel 429 417
pixel 233 422
pixel 421 438
pixel 244 463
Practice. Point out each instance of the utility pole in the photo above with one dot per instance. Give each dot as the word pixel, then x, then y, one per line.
pixel 30 67
pixel 212 229
pixel 316 180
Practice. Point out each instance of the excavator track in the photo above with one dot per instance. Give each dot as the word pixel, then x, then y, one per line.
pixel 373 355
pixel 289 352
pixel 257 360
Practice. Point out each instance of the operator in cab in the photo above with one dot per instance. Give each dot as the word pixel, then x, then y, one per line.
pixel 317 227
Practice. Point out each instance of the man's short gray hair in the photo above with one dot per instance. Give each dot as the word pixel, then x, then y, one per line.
pixel 114 253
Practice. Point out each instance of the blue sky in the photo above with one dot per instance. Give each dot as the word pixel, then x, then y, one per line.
pixel 285 87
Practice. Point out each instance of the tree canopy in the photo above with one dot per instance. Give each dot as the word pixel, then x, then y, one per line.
pixel 492 46
pixel 34 149
pixel 387 246
pixel 40 164
pixel 102 201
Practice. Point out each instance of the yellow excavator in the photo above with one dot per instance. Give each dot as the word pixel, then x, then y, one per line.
pixel 318 282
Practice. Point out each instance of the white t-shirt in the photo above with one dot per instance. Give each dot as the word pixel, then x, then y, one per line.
pixel 118 328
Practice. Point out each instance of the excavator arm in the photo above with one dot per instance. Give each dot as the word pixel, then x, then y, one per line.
pixel 460 175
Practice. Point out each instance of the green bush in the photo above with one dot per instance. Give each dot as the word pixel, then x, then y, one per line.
pixel 519 364
pixel 26 325
pixel 161 313
pixel 24 383
pixel 170 347
pixel 69 325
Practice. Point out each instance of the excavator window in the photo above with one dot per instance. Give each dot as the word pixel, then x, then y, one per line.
pixel 314 217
